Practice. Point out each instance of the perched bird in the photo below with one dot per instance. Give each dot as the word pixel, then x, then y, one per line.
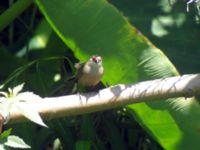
pixel 89 74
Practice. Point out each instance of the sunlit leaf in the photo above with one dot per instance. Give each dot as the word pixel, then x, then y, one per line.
pixel 5 134
pixel 16 142
pixel 96 27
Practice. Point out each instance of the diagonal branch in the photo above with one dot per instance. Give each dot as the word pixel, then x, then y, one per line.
pixel 115 96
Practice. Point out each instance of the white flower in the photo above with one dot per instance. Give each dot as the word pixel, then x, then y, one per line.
pixel 14 99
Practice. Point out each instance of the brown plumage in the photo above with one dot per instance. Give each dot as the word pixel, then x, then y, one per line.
pixel 91 72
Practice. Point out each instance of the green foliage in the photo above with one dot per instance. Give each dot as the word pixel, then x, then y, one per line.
pixel 83 145
pixel 78 29
pixel 5 134
pixel 7 140
pixel 16 142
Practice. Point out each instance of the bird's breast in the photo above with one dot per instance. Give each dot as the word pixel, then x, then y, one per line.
pixel 91 76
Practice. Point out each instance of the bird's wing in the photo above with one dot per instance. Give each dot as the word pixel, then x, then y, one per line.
pixel 79 67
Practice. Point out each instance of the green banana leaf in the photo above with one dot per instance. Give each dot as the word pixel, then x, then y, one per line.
pixel 97 27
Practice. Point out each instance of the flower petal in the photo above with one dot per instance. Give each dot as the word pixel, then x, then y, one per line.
pixel 28 97
pixel 29 113
pixel 17 89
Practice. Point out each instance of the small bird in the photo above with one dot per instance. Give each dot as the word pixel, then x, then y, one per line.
pixel 89 74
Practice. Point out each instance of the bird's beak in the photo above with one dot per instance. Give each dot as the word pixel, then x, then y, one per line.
pixel 96 59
